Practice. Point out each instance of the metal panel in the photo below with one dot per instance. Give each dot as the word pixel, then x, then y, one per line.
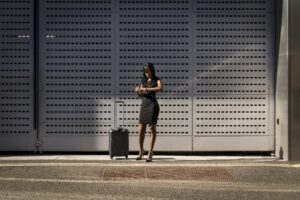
pixel 151 31
pixel 238 115
pixel 233 75
pixel 76 74
pixel 17 76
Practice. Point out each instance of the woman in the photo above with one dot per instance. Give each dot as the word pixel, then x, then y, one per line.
pixel 149 112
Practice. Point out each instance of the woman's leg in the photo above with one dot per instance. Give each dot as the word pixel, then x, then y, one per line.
pixel 142 129
pixel 152 140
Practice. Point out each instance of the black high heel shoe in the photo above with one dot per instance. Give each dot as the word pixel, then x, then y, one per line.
pixel 140 157
pixel 149 159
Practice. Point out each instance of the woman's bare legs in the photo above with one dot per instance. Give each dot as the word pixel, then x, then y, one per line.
pixel 152 141
pixel 142 129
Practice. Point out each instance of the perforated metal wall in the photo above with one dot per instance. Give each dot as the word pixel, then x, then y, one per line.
pixel 215 59
pixel 16 76
pixel 233 75
pixel 77 74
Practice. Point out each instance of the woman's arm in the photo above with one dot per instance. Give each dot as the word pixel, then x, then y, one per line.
pixel 159 87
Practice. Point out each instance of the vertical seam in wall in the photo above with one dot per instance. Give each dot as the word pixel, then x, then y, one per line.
pixel 289 81
pixel 274 66
pixel 36 68
pixel 192 71
pixel 114 15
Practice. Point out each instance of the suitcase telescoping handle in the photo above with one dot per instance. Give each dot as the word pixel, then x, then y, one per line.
pixel 115 121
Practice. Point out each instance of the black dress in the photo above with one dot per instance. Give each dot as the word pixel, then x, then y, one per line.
pixel 149 109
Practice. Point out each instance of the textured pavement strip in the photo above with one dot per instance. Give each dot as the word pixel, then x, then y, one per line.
pixel 50 195
pixel 203 185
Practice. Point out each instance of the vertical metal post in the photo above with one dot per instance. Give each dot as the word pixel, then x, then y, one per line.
pixel 36 74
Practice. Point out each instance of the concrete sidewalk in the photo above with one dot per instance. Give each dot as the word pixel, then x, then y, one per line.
pixel 156 158
pixel 253 160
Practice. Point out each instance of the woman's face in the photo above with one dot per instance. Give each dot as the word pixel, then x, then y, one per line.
pixel 147 74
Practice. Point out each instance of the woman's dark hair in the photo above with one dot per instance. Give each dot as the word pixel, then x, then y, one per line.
pixel 149 68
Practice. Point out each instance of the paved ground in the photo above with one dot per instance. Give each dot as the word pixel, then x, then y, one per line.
pixel 168 177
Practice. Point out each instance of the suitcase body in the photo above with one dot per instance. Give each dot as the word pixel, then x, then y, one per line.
pixel 118 139
pixel 118 142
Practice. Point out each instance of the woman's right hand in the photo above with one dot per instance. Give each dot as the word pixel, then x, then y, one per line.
pixel 138 90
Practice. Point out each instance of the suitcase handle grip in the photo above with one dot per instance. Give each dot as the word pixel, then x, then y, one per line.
pixel 115 121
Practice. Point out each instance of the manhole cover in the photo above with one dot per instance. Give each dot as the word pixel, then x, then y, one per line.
pixel 166 173
pixel 122 173
pixel 217 174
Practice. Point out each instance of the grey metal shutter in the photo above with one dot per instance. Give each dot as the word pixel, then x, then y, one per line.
pixel 17 76
pixel 76 74
pixel 159 32
pixel 215 59
pixel 233 70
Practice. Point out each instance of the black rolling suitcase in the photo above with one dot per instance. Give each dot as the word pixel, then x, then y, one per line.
pixel 118 138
